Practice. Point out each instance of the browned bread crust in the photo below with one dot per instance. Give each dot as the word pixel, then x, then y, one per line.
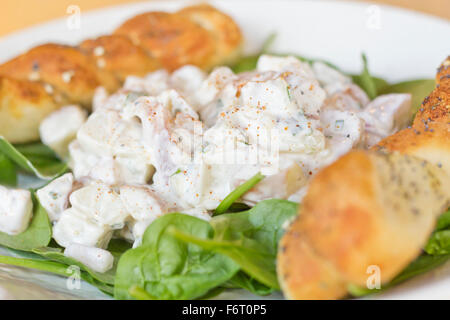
pixel 371 207
pixel 23 105
pixel 199 35
pixel 226 34
pixel 171 38
pixel 118 55
pixel 65 68
pixel 429 136
pixel 303 274
pixel 366 209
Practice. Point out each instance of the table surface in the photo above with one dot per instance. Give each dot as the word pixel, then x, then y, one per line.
pixel 24 13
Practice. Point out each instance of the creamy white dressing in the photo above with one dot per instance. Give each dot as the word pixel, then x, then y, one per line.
pixel 183 141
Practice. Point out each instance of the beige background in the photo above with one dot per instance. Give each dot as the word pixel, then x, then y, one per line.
pixel 17 14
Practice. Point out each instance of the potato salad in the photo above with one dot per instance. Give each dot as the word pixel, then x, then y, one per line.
pixel 182 141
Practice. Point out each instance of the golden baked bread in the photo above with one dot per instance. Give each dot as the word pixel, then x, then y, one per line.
pixel 171 38
pixel 303 274
pixel 366 209
pixel 65 68
pixel 24 104
pixel 375 207
pixel 226 34
pixel 199 35
pixel 118 55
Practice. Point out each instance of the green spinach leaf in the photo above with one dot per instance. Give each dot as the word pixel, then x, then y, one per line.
pixel 250 238
pixel 38 233
pixel 36 149
pixel 418 89
pixel 439 242
pixel 237 193
pixel 365 80
pixel 43 167
pixel 167 268
pixel 248 63
pixel 8 172
pixel 421 265
pixel 443 221
pixel 242 281
pixel 56 268
pixel 57 255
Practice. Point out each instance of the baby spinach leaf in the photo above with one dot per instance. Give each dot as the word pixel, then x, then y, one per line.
pixel 57 255
pixel 138 293
pixel 250 256
pixel 268 43
pixel 443 221
pixel 421 265
pixel 8 172
pixel 117 247
pixel 237 193
pixel 263 223
pixel 242 281
pixel 38 233
pixel 37 264
pixel 247 63
pixel 439 243
pixel 238 207
pixel 365 80
pixel 56 268
pixel 43 167
pixel 312 60
pixel 214 292
pixel 250 238
pixel 167 268
pixel 36 149
pixel 418 89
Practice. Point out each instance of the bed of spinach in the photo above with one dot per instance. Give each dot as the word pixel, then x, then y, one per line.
pixel 168 268
pixel 183 257
pixel 249 238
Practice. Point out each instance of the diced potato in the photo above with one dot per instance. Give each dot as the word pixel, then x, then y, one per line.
pixel 141 202
pixel 60 128
pixel 16 210
pixel 100 203
pixel 75 227
pixel 54 197
pixel 97 259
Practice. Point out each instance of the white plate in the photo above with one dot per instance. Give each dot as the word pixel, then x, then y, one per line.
pixel 400 45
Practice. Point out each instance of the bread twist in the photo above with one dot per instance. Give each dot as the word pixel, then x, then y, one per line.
pixel 371 208
pixel 48 76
